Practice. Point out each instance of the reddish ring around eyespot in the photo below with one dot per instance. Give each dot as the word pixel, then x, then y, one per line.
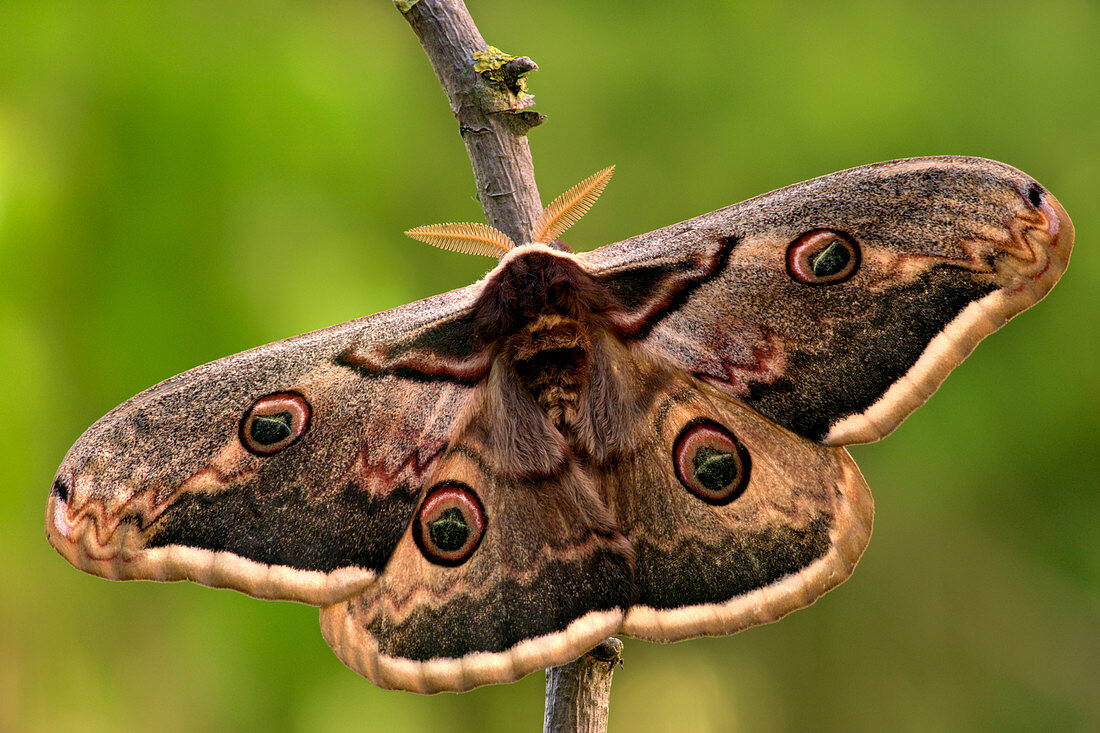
pixel 274 422
pixel 822 257
pixel 450 524
pixel 710 462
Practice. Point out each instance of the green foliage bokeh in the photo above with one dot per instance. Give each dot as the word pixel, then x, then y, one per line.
pixel 184 180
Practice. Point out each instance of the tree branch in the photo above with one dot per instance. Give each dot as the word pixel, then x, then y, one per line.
pixel 578 694
pixel 488 95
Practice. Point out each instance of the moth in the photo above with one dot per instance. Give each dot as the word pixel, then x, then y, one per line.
pixel 643 439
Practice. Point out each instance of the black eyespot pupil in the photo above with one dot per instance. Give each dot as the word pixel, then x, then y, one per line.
pixel 271 429
pixel 831 260
pixel 714 469
pixel 450 532
pixel 61 488
pixel 1035 195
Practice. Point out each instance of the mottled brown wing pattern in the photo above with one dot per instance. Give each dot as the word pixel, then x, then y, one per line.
pixel 796 528
pixel 488 482
pixel 165 487
pixel 574 538
pixel 549 578
pixel 950 249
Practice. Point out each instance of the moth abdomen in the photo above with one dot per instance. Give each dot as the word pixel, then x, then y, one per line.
pixel 551 358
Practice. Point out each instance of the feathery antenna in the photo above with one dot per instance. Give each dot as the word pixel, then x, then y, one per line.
pixel 565 210
pixel 482 239
pixel 467 238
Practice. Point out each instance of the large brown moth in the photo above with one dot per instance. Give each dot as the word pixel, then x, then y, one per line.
pixel 642 439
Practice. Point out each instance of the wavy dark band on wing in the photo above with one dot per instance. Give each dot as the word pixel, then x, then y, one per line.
pixel 518 608
pixel 867 354
pixel 714 569
pixel 282 524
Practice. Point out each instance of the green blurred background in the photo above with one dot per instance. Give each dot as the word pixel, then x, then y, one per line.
pixel 165 167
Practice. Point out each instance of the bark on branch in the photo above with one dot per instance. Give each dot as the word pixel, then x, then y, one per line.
pixel 487 94
pixel 578 694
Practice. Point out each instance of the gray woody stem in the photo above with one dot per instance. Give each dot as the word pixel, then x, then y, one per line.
pixel 578 693
pixel 490 108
